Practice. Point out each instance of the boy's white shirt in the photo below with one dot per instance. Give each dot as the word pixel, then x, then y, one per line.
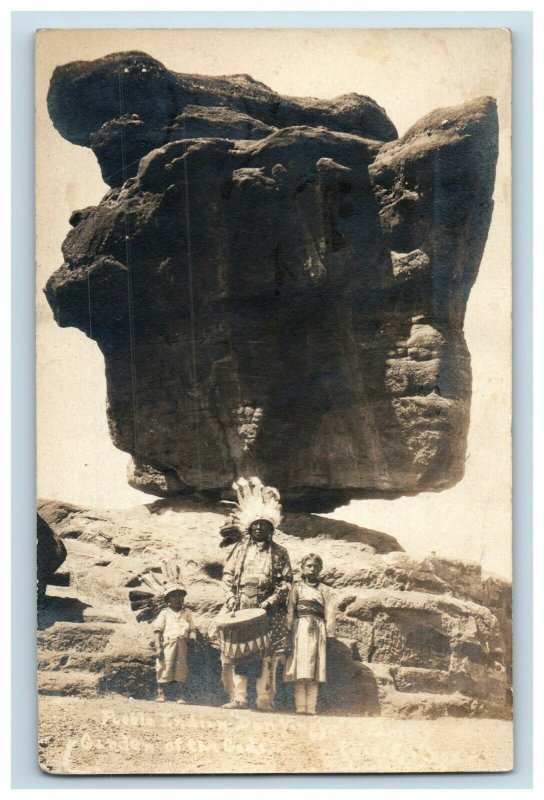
pixel 175 624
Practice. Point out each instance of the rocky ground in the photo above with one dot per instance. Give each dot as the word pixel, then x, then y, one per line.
pixel 119 736
pixel 414 639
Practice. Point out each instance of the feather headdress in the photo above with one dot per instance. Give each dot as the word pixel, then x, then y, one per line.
pixel 255 501
pixel 147 604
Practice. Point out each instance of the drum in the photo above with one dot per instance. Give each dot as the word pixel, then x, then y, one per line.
pixel 243 635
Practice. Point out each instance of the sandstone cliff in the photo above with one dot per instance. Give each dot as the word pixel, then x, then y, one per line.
pixel 414 638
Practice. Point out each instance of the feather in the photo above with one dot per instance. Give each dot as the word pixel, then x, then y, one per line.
pixel 146 606
pixel 153 583
pixel 148 602
pixel 255 501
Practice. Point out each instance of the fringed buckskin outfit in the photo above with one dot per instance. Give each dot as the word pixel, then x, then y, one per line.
pixel 257 572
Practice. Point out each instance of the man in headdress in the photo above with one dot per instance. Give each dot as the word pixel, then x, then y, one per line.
pixel 257 574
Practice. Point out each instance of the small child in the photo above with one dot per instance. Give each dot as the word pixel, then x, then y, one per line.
pixel 310 614
pixel 173 627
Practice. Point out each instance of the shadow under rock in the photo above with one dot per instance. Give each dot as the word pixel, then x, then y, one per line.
pixel 60 609
pixel 300 525
pixel 209 502
pixel 351 687
pixel 306 526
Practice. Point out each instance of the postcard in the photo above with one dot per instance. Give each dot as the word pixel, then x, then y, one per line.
pixel 274 401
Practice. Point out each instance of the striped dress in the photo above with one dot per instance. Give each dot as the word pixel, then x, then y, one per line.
pixel 310 609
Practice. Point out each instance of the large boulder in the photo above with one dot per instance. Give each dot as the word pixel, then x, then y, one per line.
pixel 277 285
pixel 414 637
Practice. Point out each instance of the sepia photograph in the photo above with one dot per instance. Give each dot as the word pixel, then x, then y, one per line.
pixel 273 368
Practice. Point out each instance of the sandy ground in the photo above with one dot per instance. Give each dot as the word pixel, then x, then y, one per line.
pixel 121 736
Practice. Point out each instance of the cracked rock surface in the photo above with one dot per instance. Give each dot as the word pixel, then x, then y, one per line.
pixel 415 638
pixel 278 285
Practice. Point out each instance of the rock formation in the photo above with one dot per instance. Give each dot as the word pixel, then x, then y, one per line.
pixel 51 554
pixel 277 285
pixel 415 638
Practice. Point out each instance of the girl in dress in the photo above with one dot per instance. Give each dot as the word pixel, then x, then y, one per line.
pixel 310 613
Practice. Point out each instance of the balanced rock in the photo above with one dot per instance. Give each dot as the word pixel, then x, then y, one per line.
pixel 277 285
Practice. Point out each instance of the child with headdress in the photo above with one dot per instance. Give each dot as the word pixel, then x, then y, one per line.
pixel 161 602
pixel 172 628
pixel 310 614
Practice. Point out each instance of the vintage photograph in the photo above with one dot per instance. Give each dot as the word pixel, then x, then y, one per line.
pixel 273 308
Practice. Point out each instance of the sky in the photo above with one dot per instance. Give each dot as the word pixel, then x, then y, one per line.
pixel 409 73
